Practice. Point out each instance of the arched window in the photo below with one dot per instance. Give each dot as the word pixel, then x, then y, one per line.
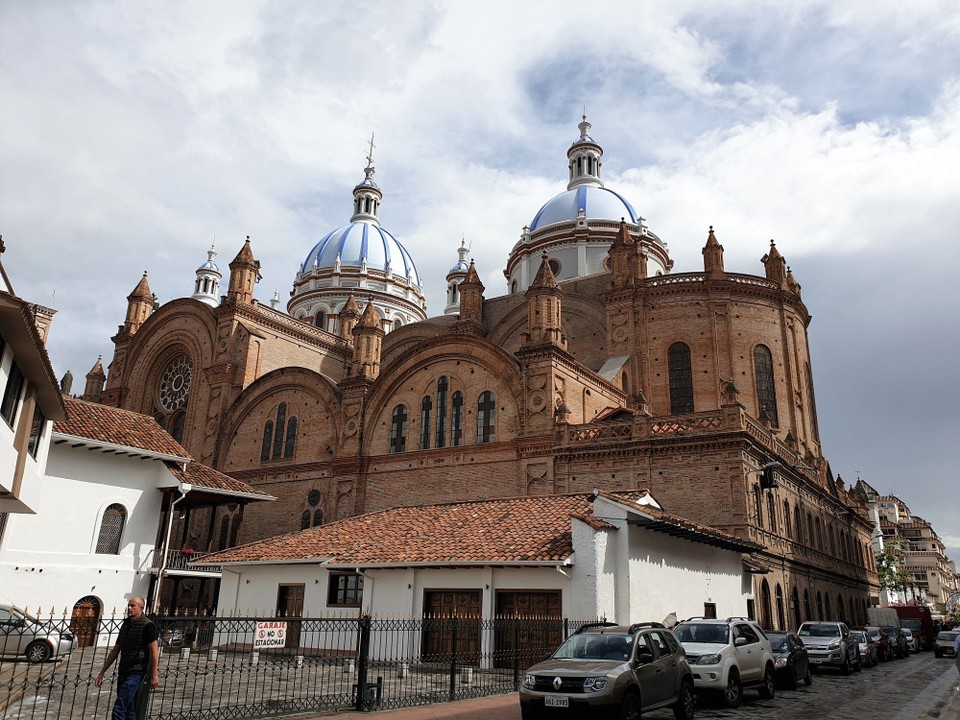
pixel 317 517
pixel 554 265
pixel 766 612
pixel 397 324
pixel 820 545
pixel 681 378
pixel 513 286
pixel 305 520
pixel 111 530
pixel 812 535
pixel 798 523
pixel 766 389
pixel 787 528
pixel 758 501
pixel 456 421
pixel 177 421
pixel 826 604
pixel 319 319
pixel 807 610
pixel 486 418
pixel 772 512
pixel 425 407
pixel 781 616
pixel 841 616
pixel 441 439
pixel 267 441
pixel 819 606
pixel 291 441
pixel 795 603
pixel 279 434
pixel 398 429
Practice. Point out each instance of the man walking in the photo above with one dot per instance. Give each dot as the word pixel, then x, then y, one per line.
pixel 139 659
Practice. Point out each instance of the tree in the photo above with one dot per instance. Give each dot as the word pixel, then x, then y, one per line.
pixel 889 568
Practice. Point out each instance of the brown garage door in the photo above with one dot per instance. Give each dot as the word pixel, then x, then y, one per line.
pixel 440 609
pixel 537 632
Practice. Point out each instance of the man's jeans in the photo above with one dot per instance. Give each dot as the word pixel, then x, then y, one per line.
pixel 125 708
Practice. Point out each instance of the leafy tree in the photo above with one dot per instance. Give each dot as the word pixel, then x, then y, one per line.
pixel 889 568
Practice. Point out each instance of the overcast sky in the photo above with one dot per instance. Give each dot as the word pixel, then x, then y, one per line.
pixel 132 135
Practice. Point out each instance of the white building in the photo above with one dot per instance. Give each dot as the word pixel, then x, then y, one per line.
pixel 616 555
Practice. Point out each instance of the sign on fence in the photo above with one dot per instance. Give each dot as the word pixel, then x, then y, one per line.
pixel 270 634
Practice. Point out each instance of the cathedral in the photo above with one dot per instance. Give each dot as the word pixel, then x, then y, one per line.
pixel 600 367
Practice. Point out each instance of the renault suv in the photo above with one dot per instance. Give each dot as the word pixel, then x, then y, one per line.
pixel 727 656
pixel 608 670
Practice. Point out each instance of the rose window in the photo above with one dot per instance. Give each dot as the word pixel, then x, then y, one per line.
pixel 175 384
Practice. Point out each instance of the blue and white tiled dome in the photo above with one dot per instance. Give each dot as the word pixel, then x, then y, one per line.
pixel 594 202
pixel 362 243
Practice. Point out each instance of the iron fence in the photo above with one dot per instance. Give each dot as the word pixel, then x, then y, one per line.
pixel 232 667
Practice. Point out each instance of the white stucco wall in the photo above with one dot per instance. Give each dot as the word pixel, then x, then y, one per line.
pixel 48 560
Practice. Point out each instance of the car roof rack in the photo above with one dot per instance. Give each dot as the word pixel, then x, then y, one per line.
pixel 638 626
pixel 738 617
pixel 592 626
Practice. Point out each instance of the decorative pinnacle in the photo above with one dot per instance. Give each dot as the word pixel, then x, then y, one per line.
pixel 369 170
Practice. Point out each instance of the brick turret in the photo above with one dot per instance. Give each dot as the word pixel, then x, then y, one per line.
pixel 244 275
pixel 348 318
pixel 544 304
pixel 367 339
pixel 95 379
pixel 140 304
pixel 713 257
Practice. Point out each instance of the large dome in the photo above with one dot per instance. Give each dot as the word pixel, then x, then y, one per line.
pixel 362 243
pixel 597 203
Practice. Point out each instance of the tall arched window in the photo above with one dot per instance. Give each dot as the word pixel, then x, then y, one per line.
pixel 425 407
pixel 305 520
pixel 111 530
pixel 795 603
pixel 826 605
pixel 781 615
pixel 766 389
pixel 398 429
pixel 758 501
pixel 819 606
pixel 681 378
pixel 441 439
pixel 267 440
pixel 840 613
pixel 812 535
pixel 798 523
pixel 279 436
pixel 787 528
pixel 820 546
pixel 772 512
pixel 319 319
pixel 807 610
pixel 291 441
pixel 486 418
pixel 456 420
pixel 766 612
pixel 281 428
pixel 176 424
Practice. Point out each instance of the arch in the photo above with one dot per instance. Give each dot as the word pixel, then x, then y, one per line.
pixel 787 526
pixel 456 420
pixel 781 615
pixel 111 529
pixel 766 612
pixel 426 406
pixel 267 441
pixel 441 422
pixel 305 520
pixel 317 517
pixel 795 606
pixel 766 388
pixel 680 371
pixel 85 620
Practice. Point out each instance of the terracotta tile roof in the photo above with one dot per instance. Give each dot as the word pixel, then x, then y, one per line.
pixel 114 426
pixel 511 530
pixel 206 478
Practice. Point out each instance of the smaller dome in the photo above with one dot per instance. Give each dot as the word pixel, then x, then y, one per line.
pixel 595 202
pixel 461 266
pixel 359 243
pixel 209 265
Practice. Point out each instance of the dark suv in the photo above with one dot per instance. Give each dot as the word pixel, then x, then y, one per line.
pixel 611 670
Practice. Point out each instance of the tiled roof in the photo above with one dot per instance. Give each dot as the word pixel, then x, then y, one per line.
pixel 114 426
pixel 206 478
pixel 512 530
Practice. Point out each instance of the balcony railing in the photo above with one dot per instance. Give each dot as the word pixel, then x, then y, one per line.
pixel 179 560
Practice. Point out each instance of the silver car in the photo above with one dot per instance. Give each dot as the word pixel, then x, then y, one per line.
pixel 22 635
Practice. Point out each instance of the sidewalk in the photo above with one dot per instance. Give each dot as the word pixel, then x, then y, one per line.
pixel 492 707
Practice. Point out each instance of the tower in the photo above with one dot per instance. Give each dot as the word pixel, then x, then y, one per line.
pixel 244 274
pixel 140 304
pixel 206 289
pixel 471 301
pixel 455 277
pixel 713 257
pixel 367 338
pixel 544 310
pixel 95 379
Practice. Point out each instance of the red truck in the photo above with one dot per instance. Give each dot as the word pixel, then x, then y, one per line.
pixel 918 619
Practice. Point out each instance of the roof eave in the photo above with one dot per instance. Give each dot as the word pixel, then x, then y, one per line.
pixel 93 444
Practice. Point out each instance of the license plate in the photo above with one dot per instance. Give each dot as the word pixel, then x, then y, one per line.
pixel 816 661
pixel 561 701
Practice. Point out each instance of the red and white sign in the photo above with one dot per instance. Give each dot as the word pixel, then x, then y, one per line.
pixel 270 634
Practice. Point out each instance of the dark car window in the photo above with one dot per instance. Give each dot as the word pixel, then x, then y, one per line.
pixel 747 632
pixel 778 641
pixel 657 641
pixel 671 642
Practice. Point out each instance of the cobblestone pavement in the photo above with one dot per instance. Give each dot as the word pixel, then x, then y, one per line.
pixel 920 687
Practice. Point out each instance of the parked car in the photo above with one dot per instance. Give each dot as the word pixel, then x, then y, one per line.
pixel 611 670
pixel 944 644
pixel 790 659
pixel 831 644
pixel 869 648
pixel 913 641
pixel 22 635
pixel 898 642
pixel 728 655
pixel 884 648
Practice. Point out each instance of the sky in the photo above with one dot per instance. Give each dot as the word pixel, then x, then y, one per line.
pixel 133 135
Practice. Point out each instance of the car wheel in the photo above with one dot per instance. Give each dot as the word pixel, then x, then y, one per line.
pixel 733 693
pixel 808 679
pixel 794 680
pixel 38 651
pixel 845 669
pixel 685 707
pixel 767 690
pixel 630 707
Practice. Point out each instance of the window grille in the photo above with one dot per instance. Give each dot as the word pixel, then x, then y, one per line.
pixel 111 530
pixel 681 378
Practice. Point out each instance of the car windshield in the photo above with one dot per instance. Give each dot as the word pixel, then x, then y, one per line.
pixel 951 636
pixel 911 623
pixel 892 631
pixel 713 633
pixel 596 646
pixel 778 641
pixel 860 636
pixel 820 631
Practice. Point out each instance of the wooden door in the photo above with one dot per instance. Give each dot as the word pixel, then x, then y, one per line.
pixel 84 621
pixel 290 606
pixel 446 612
pixel 537 616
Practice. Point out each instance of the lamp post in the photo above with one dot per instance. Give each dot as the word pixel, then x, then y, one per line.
pixel 183 488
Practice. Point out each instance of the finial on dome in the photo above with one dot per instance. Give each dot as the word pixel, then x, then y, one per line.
pixel 369 170
pixel 584 126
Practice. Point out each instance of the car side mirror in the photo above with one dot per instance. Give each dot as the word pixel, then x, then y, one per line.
pixel 644 657
pixel 740 641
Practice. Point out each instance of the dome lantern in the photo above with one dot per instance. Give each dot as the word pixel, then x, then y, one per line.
pixel 584 159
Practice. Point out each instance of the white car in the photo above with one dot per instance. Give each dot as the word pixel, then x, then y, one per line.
pixel 22 635
pixel 726 656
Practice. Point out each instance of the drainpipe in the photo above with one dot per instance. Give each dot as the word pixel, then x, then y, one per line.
pixel 183 488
